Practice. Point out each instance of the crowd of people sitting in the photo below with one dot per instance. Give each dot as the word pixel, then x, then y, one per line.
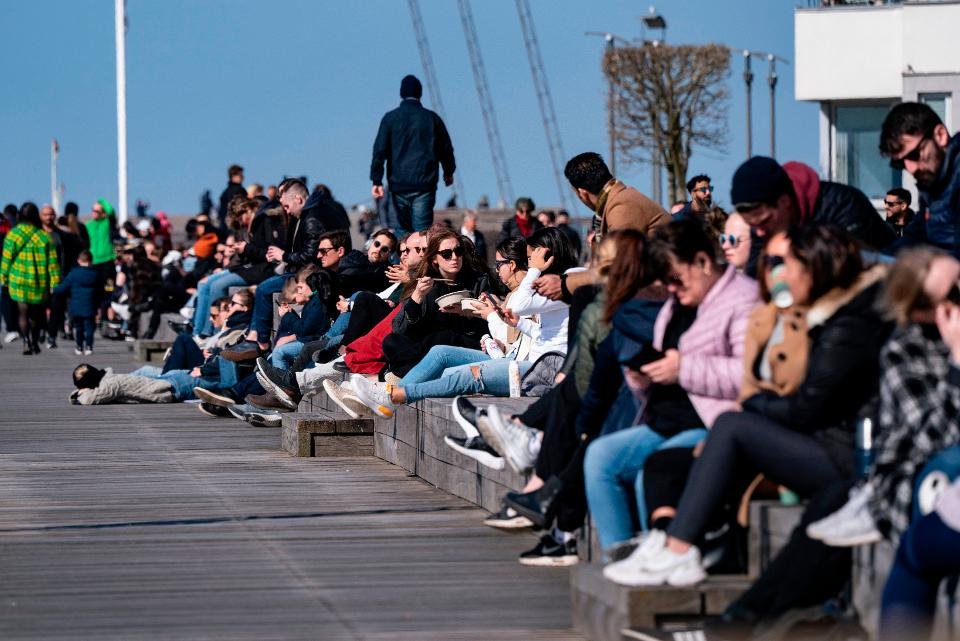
pixel 681 363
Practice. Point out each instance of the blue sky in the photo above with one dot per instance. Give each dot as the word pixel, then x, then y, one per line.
pixel 299 86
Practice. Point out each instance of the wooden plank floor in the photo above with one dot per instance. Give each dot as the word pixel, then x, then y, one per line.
pixel 155 522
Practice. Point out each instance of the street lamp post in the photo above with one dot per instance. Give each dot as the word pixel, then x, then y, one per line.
pixel 748 81
pixel 120 27
pixel 654 20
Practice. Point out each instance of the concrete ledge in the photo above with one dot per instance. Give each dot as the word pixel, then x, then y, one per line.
pixel 326 434
pixel 150 350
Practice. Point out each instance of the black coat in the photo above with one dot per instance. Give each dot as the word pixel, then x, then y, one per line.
pixel 232 191
pixel 355 273
pixel 317 216
pixel 843 368
pixel 418 321
pixel 266 229
pixel 411 140
pixel 511 229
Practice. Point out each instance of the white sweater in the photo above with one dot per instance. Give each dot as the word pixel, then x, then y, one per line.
pixel 549 334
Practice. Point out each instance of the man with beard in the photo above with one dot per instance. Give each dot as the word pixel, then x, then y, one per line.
pixel 916 140
pixel 701 198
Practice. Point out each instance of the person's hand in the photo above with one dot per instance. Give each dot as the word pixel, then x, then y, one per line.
pixel 203 280
pixel 377 191
pixel 390 304
pixel 343 305
pixel 282 309
pixel 206 354
pixel 424 285
pixel 510 318
pixel 195 372
pixel 559 378
pixel 948 322
pixel 698 448
pixel 484 308
pixel 548 286
pixel 538 259
pixel 447 179
pixel 274 253
pixel 666 370
pixel 635 380
pixel 398 274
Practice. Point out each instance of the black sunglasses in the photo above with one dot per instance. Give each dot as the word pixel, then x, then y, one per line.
pixel 501 263
pixel 447 254
pixel 913 156
pixel 891 203
pixel 378 245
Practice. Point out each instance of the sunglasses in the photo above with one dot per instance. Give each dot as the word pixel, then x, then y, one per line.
pixel 733 239
pixel 404 251
pixel 706 190
pixel 382 246
pixel 772 261
pixel 501 263
pixel 674 279
pixel 238 303
pixel 892 203
pixel 323 251
pixel 914 156
pixel 447 254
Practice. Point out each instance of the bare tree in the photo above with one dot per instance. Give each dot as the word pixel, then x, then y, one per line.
pixel 667 99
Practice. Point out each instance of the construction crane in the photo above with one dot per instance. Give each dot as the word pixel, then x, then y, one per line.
pixel 486 105
pixel 547 114
pixel 426 59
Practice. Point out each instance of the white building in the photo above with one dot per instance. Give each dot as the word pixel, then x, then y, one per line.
pixel 857 60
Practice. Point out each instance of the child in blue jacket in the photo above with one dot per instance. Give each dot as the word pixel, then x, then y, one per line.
pixel 85 287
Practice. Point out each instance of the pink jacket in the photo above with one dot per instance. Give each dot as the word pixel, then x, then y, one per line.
pixel 711 351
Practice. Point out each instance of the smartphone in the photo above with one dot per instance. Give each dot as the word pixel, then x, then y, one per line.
pixel 645 356
pixel 497 304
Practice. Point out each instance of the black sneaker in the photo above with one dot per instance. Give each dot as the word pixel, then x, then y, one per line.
pixel 540 506
pixel 240 410
pixel 265 419
pixel 180 327
pixel 508 519
pixel 549 553
pixel 221 397
pixel 465 413
pixel 476 449
pixel 216 411
pixel 279 382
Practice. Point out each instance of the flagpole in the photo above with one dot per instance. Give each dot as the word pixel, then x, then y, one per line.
pixel 120 26
pixel 54 191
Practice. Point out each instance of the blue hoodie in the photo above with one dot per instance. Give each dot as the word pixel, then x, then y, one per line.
pixel 84 286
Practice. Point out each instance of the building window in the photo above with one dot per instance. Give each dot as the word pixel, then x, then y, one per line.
pixel 858 160
pixel 939 102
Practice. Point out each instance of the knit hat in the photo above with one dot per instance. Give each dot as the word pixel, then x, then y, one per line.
pixel 410 87
pixel 760 180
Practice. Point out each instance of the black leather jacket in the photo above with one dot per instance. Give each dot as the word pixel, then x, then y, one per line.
pixel 318 216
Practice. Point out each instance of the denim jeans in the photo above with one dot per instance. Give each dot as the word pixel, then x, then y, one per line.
pixel 228 373
pixel 283 356
pixel 216 286
pixel 942 469
pixel 439 358
pixel 613 465
pixel 414 210
pixel 183 383
pixel 150 371
pixel 84 328
pixel 263 305
pixel 491 376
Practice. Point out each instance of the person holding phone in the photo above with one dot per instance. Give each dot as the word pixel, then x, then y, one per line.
pixel 685 379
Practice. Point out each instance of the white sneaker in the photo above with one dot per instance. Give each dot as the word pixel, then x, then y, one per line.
pixel 859 496
pixel 342 394
pixel 10 337
pixel 374 395
pixel 518 444
pixel 78 351
pixel 123 311
pixel 660 566
pixel 313 377
pixel 849 530
pixel 620 571
pixel 187 312
pixel 88 351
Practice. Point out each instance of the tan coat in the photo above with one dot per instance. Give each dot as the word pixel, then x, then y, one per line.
pixel 788 360
pixel 627 208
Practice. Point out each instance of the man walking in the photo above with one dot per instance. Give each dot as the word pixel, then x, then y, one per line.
pixel 412 140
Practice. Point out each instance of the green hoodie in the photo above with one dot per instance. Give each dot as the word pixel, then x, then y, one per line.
pixel 101 245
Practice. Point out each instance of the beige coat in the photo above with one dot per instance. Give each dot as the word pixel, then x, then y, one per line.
pixel 627 208
pixel 788 360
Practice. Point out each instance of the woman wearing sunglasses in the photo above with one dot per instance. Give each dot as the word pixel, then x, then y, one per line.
pixel 541 320
pixel 735 241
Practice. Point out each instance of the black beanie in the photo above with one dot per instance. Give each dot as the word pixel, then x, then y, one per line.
pixel 86 376
pixel 410 87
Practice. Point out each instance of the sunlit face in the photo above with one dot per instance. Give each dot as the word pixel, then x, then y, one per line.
pixel 302 295
pixel 768 220
pixel 292 203
pixel 47 216
pixel 449 258
pixel 690 282
pixel 505 268
pixel 921 156
pixel 735 241
pixel 329 255
pixel 96 211
pixel 380 249
pixel 942 276
pixel 417 245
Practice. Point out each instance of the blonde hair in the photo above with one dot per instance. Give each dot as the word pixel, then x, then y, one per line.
pixel 903 288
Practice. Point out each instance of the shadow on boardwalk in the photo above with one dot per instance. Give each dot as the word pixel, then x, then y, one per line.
pixel 155 522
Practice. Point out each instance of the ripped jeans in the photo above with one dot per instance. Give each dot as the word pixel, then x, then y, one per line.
pixel 485 377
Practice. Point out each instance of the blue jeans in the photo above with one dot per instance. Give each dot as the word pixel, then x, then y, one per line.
pixel 179 379
pixel 414 210
pixel 263 305
pixel 283 356
pixel 216 286
pixel 486 377
pixel 929 551
pixel 612 466
pixel 439 358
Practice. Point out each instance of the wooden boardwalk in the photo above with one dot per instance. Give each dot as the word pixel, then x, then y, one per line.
pixel 155 522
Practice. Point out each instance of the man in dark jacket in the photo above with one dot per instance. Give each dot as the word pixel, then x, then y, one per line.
pixel 522 223
pixel 771 198
pixel 234 189
pixel 916 140
pixel 412 140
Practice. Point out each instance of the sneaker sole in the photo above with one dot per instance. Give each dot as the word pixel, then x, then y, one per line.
pixel 258 419
pixel 483 458
pixel 276 390
pixel 550 561
pixel 213 399
pixel 853 541
pixel 209 412
pixel 469 429
pixel 516 523
pixel 534 517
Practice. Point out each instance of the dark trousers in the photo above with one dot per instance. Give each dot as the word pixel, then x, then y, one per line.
pixel 58 312
pixel 8 308
pixel 83 330
pixel 32 319
pixel 368 310
pixel 165 300
pixel 929 551
pixel 741 442
pixel 403 352
pixel 184 354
